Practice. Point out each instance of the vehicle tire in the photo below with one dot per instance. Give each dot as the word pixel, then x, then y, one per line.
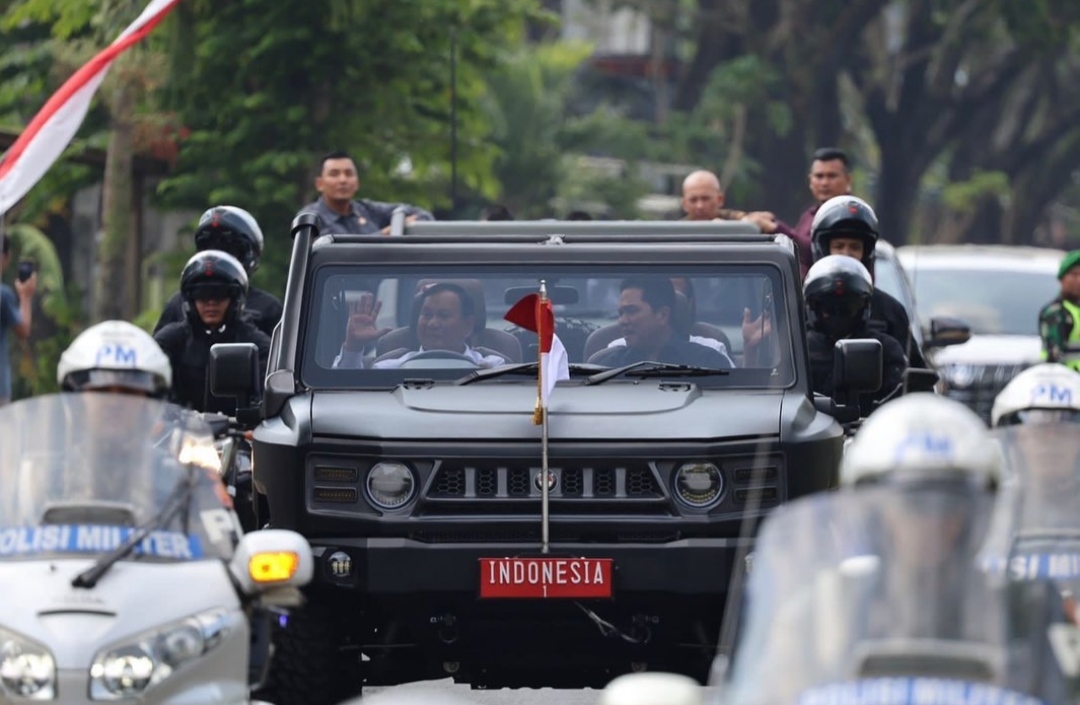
pixel 308 666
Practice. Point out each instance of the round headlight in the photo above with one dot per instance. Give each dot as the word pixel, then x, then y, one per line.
pixel 699 484
pixel 390 485
pixel 27 671
pixel 127 671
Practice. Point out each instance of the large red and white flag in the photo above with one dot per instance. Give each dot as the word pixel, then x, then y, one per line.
pixel 51 130
pixel 534 312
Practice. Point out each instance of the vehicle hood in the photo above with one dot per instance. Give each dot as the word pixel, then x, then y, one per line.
pixel 645 411
pixel 991 350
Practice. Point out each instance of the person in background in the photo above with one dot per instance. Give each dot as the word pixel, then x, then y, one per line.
pixel 16 315
pixel 337 182
pixel 830 176
pixel 703 199
pixel 1059 320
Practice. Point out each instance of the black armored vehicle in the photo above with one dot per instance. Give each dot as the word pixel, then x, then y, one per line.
pixel 397 434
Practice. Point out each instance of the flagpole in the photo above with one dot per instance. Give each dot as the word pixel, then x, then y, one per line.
pixel 544 493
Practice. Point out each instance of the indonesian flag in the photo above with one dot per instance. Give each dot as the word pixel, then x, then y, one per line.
pixel 534 313
pixel 48 134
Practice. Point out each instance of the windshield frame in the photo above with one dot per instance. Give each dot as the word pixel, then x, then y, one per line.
pixel 315 376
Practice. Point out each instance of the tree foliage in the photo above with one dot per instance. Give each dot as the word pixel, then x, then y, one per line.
pixel 264 87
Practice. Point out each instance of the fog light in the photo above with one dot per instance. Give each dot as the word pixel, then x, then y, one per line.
pixel 699 485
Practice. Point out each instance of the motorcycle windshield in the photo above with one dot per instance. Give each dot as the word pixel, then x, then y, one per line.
pixel 877 596
pixel 81 472
pixel 1042 530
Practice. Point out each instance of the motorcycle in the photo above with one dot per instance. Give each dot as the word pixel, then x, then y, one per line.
pixel 1037 534
pixel 124 573
pixel 877 595
pixel 234 454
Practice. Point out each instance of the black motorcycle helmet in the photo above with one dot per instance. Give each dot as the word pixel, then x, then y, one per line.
pixel 233 230
pixel 837 292
pixel 844 216
pixel 218 274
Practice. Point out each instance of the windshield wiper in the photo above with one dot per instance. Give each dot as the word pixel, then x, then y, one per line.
pixel 651 368
pixel 523 368
pixel 177 501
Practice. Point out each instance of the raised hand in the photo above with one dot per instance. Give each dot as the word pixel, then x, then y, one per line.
pixel 362 330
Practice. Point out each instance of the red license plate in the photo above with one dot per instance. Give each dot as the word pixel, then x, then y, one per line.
pixel 545 577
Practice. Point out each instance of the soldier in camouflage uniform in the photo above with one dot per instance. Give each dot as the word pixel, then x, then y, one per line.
pixel 1059 321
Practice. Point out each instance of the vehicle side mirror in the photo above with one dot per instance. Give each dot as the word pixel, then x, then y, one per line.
pixel 234 372
pixel 273 564
pixel 920 380
pixel 857 365
pixel 945 331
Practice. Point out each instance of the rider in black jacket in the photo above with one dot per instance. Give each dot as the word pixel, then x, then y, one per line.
pixel 233 230
pixel 838 291
pixel 846 225
pixel 213 286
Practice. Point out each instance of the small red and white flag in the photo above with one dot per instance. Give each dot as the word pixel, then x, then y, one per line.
pixel 51 130
pixel 534 312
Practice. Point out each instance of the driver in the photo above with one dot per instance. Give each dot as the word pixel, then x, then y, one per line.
pixel 1038 413
pixel 941 458
pixel 646 316
pixel 1047 393
pixel 838 291
pixel 119 360
pixel 444 323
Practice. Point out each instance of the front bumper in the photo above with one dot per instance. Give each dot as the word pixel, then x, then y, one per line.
pixel 394 566
pixel 73 688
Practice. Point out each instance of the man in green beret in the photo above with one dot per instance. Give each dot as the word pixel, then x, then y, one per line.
pixel 1059 321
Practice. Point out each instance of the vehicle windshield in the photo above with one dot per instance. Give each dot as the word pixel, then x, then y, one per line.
pixel 81 471
pixel 1041 532
pixel 376 328
pixel 1010 307
pixel 871 588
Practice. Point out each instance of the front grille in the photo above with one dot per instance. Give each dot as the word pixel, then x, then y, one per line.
pixel 976 386
pixel 450 483
pixel 454 480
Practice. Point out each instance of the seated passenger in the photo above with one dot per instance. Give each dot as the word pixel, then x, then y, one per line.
pixel 444 322
pixel 685 287
pixel 646 316
pixel 837 291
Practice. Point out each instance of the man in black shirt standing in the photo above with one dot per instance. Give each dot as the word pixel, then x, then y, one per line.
pixel 337 181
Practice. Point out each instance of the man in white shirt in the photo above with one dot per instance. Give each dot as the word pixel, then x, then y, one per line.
pixel 444 323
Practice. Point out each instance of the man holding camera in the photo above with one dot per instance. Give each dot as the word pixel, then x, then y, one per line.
pixel 15 314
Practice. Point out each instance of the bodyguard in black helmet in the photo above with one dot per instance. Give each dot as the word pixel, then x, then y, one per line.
pixel 838 292
pixel 213 288
pixel 233 230
pixel 846 225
